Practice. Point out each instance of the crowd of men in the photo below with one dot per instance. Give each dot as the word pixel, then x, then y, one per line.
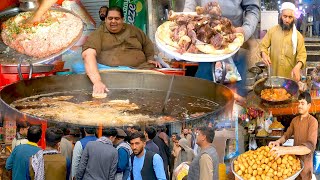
pixel 120 154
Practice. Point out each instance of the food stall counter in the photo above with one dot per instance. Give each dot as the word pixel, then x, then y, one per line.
pixel 290 108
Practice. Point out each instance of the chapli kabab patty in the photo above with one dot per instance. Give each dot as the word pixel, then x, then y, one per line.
pixel 55 32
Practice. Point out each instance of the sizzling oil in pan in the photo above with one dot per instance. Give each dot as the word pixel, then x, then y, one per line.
pixel 121 107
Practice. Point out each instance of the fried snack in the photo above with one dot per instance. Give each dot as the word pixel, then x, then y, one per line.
pixel 275 94
pixel 276 125
pixel 260 164
pixel 99 95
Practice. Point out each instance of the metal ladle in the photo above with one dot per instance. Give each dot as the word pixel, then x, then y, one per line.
pixel 269 80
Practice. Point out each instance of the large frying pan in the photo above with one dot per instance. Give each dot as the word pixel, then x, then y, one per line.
pixel 290 85
pixel 10 56
pixel 127 85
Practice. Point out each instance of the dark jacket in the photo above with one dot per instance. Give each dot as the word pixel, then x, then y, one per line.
pixel 98 161
pixel 147 171
pixel 164 153
pixel 151 146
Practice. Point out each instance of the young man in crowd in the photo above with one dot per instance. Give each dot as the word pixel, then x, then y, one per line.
pixel 65 145
pixel 50 164
pixel 150 132
pixel 132 129
pixel 18 160
pixel 162 141
pixel 185 153
pixel 79 147
pixel 185 134
pixel 124 153
pixel 99 159
pixel 146 165
pixel 174 153
pixel 206 164
pixel 21 136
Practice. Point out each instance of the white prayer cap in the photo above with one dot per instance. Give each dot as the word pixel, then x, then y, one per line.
pixel 288 5
pixel 294 38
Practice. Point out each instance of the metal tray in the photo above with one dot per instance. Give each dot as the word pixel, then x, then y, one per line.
pixel 293 177
pixel 37 68
pixel 10 56
pixel 274 136
pixel 276 129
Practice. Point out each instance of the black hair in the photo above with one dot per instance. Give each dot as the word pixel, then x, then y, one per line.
pixel 22 124
pixel 104 7
pixel 138 128
pixel 90 129
pixel 174 134
pixel 107 132
pixel 127 138
pixel 64 128
pixel 208 132
pixel 116 8
pixel 138 134
pixel 306 96
pixel 34 134
pixel 53 136
pixel 161 128
pixel 178 137
pixel 151 131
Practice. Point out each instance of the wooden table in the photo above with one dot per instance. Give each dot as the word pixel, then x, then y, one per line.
pixel 290 108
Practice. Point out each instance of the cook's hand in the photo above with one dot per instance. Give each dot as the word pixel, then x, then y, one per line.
pixel 156 63
pixel 43 8
pixel 265 58
pixel 273 144
pixel 279 151
pixel 238 30
pixel 99 88
pixel 295 73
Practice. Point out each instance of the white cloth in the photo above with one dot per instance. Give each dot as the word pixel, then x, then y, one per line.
pixel 294 38
pixel 37 163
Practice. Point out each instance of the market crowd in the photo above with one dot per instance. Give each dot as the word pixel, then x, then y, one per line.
pixel 120 153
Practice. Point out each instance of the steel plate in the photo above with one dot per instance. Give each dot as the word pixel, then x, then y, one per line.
pixel 11 56
pixel 191 56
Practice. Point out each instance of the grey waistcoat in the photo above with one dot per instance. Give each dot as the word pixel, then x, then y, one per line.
pixel 194 169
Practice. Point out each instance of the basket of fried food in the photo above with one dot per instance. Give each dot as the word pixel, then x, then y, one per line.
pixel 261 164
